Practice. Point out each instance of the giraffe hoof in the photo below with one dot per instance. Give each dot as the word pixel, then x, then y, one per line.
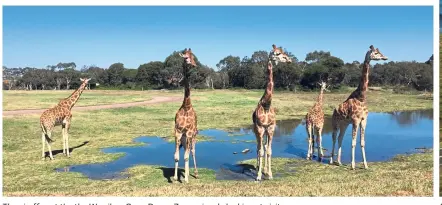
pixel 196 176
pixel 257 180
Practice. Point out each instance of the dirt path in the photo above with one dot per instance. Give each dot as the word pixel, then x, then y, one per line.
pixel 154 100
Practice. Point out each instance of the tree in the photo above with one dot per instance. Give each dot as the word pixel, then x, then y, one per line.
pixel 286 75
pixel 260 58
pixel 150 74
pixel 98 75
pixel 317 56
pixel 69 74
pixel 226 65
pixel 115 74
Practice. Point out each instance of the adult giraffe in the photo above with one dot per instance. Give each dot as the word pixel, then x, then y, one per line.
pixel 354 111
pixel 264 117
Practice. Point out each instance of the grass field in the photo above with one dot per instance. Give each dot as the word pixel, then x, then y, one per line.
pixel 25 174
pixel 14 100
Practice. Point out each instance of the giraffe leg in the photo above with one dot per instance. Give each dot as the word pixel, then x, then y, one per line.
pixel 335 132
pixel 66 136
pixel 363 125
pixel 319 142
pixel 49 146
pixel 177 152
pixel 193 155
pixel 342 129
pixel 260 150
pixel 265 141
pixel 353 143
pixel 43 141
pixel 186 156
pixel 309 135
pixel 270 132
pixel 64 139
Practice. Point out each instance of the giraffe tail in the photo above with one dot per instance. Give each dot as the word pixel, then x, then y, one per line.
pixel 183 140
pixel 43 129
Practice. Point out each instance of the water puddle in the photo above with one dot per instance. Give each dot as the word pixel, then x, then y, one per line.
pixel 387 135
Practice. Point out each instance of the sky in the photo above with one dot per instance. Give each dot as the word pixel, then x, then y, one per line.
pixel 134 35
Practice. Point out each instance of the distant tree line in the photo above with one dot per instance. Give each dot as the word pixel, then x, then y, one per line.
pixel 231 72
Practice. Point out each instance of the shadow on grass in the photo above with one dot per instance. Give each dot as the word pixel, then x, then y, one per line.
pixel 59 151
pixel 168 173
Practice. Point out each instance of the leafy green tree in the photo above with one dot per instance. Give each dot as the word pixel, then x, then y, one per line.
pixel 226 65
pixel 150 74
pixel 316 56
pixel 115 74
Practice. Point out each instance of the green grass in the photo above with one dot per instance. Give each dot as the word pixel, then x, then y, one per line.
pixel 25 174
pixel 16 99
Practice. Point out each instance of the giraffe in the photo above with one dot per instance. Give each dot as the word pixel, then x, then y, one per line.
pixel 59 115
pixel 315 122
pixel 186 121
pixel 354 111
pixel 264 118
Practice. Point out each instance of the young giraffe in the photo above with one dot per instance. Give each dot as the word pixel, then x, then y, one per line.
pixel 354 111
pixel 186 122
pixel 264 118
pixel 315 122
pixel 59 115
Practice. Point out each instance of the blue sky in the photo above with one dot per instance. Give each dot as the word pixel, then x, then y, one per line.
pixel 39 36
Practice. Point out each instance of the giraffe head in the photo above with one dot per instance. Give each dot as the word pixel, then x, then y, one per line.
pixel 277 55
pixel 84 82
pixel 188 57
pixel 376 54
pixel 324 86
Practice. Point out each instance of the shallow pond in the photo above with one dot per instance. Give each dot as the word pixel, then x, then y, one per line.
pixel 387 135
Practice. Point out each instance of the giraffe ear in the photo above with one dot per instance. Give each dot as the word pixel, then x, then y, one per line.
pixel 81 79
pixel 89 79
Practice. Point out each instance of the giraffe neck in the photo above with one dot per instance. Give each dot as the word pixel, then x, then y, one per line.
pixel 320 98
pixel 266 99
pixel 186 101
pixel 71 100
pixel 361 92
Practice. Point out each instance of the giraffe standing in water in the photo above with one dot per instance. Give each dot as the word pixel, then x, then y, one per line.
pixel 354 111
pixel 264 117
pixel 59 115
pixel 314 124
pixel 186 121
